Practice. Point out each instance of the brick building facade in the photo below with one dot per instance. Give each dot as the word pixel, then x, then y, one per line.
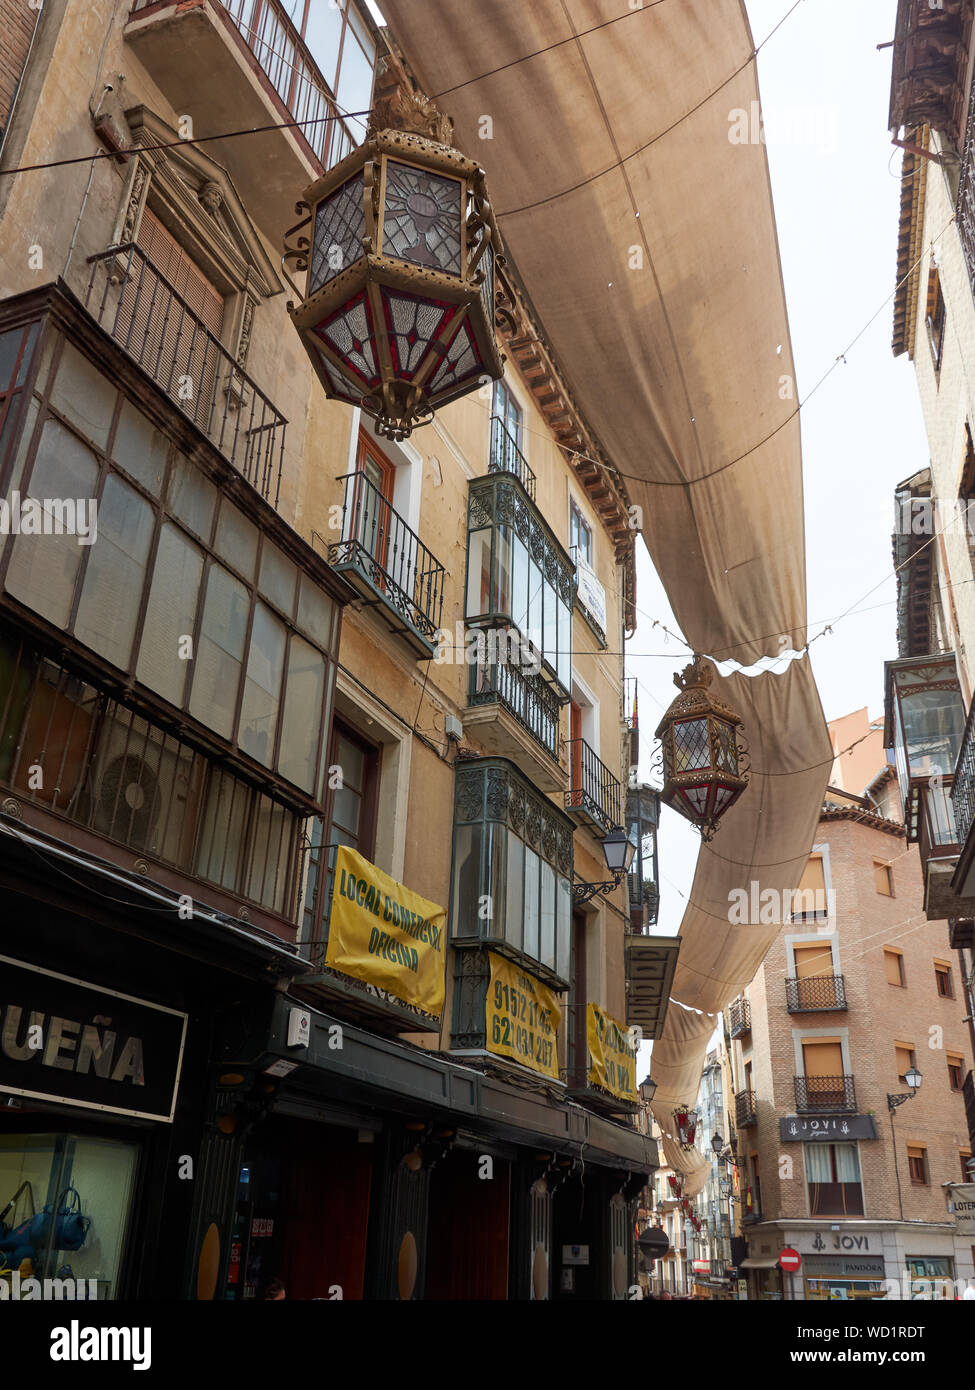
pixel 851 995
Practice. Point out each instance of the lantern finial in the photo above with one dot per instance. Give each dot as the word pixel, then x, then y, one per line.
pixel 399 104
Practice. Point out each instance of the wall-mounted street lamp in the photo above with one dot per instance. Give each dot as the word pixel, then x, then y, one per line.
pixel 913 1079
pixel 648 1089
pixel 618 851
pixel 717 1143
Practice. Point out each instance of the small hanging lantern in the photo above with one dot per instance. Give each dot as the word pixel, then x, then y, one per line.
pixel 686 1123
pixel 702 751
pixel 398 313
pixel 676 1186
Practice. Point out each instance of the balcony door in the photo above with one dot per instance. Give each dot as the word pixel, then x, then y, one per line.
pixel 822 1062
pixel 814 967
pixel 371 520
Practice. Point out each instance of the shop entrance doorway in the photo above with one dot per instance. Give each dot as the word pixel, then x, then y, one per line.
pixel 468 1227
pixel 302 1212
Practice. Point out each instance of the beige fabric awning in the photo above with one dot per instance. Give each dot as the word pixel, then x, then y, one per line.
pixel 647 242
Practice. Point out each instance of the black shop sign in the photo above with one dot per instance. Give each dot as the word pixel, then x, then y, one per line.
pixel 830 1129
pixel 63 1039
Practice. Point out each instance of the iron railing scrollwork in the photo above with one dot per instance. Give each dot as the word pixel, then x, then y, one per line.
pixel 815 992
pixel 824 1094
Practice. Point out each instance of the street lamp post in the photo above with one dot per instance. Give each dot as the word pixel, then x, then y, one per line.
pixel 618 851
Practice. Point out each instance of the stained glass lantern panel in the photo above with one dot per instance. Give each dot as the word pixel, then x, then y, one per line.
pixel 691 745
pixel 340 225
pixel 423 217
pixel 412 325
pixel 349 332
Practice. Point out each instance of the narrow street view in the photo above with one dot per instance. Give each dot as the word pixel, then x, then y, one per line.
pixel 487 659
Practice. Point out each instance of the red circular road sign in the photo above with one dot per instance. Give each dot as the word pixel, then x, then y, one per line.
pixel 790 1260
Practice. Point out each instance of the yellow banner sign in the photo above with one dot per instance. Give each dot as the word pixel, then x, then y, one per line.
pixel 612 1061
pixel 521 1018
pixel 385 934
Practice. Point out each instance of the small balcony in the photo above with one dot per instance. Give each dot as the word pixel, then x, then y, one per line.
pixel 650 965
pixel 388 564
pixel 825 1095
pixel 234 65
pixel 963 804
pixel 815 994
pixel 739 1018
pixel 506 457
pixel 746 1109
pixel 515 713
pixel 137 306
pixel 595 795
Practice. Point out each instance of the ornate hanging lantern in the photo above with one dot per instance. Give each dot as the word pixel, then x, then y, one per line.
pixel 686 1122
pixel 676 1186
pixel 398 313
pixel 702 751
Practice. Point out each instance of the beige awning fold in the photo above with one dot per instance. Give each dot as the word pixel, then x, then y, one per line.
pixel 646 239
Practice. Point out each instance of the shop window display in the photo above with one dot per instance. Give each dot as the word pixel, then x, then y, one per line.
pixel 69 1199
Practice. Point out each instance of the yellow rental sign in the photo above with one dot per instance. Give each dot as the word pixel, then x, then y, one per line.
pixel 612 1061
pixel 385 934
pixel 521 1018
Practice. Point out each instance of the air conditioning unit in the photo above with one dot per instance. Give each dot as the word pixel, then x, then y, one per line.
pixel 143 787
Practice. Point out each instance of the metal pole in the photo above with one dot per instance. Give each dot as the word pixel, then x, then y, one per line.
pixel 893 1145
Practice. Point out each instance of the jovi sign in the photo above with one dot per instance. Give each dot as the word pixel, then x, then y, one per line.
pixel 612 1061
pixel 386 935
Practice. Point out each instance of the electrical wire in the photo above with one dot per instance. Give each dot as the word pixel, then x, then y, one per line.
pixel 177 144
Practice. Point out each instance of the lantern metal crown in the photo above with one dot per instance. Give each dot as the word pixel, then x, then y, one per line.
pixel 702 751
pixel 398 313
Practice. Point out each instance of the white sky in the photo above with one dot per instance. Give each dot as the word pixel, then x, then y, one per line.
pixel 825 93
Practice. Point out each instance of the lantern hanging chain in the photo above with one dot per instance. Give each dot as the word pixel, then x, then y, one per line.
pixel 181 143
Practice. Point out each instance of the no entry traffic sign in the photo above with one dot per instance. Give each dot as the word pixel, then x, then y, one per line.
pixel 789 1260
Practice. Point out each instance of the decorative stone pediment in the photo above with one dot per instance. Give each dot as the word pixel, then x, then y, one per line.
pixel 195 198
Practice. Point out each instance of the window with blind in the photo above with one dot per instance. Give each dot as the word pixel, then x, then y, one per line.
pixel 883 878
pixel 955 1067
pixel 822 1060
pixel 942 978
pixel 833 1180
pixel 905 1059
pixel 917 1163
pixel 809 899
pixel 894 966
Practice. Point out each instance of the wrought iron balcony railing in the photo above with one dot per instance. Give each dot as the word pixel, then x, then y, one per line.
pixel 963 788
pixel 150 320
pixel 746 1109
pixel 388 563
pixel 824 1094
pixel 506 457
pixel 292 72
pixel 594 791
pixel 815 993
pixel 525 694
pixel 739 1018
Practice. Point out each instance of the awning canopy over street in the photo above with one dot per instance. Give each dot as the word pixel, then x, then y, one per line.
pixel 648 239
